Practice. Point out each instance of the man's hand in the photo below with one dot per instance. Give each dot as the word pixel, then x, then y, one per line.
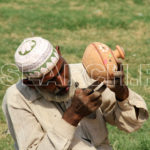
pixel 84 102
pixel 117 84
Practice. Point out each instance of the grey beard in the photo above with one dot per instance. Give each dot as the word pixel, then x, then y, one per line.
pixel 57 98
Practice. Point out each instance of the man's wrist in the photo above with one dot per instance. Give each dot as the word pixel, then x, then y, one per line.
pixel 71 117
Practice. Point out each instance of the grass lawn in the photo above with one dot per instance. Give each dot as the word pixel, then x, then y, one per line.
pixel 73 25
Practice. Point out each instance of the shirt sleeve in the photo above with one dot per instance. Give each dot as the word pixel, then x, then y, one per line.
pixel 81 144
pixel 27 131
pixel 128 115
pixel 71 140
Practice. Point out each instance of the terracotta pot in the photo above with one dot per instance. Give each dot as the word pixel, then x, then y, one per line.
pixel 100 61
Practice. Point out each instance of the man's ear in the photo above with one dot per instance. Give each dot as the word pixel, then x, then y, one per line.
pixel 28 83
pixel 58 50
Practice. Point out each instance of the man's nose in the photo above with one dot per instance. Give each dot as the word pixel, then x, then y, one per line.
pixel 62 82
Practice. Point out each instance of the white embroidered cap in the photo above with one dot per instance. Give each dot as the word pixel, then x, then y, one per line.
pixel 35 57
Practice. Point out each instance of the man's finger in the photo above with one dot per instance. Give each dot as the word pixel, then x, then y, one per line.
pixel 119 64
pixel 116 81
pixel 94 96
pixel 107 82
pixel 78 91
pixel 119 61
pixel 101 89
pixel 97 104
pixel 111 86
pixel 87 91
pixel 94 85
pixel 118 74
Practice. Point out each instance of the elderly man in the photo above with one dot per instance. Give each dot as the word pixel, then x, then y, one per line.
pixel 56 108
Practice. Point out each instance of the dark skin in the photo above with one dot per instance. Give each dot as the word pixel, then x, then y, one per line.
pixel 117 84
pixel 84 101
pixel 58 78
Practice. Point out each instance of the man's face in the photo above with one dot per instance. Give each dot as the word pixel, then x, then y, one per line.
pixel 57 81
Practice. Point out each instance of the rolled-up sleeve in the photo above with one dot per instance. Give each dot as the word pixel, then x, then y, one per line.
pixel 128 115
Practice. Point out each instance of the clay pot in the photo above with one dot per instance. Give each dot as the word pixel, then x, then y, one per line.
pixel 100 61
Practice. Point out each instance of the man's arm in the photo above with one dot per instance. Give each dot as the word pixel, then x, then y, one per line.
pixel 84 102
pixel 28 133
pixel 127 115
pixel 26 130
pixel 123 107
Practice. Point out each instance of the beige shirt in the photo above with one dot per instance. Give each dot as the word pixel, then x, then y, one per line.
pixel 36 123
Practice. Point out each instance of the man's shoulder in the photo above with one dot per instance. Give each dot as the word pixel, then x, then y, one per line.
pixel 78 67
pixel 79 74
pixel 10 97
pixel 77 71
pixel 18 92
pixel 12 90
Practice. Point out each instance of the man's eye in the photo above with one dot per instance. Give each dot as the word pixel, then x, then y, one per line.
pixel 50 82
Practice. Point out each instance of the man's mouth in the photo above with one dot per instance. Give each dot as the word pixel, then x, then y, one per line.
pixel 62 91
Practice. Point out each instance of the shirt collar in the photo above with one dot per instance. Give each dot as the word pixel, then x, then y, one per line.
pixel 28 92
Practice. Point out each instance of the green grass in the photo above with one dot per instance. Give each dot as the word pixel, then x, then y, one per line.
pixel 73 25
